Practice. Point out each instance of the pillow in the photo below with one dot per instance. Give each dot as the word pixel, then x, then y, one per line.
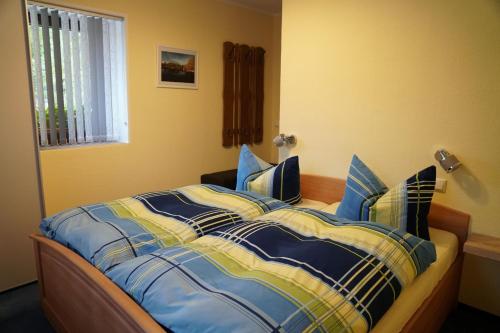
pixel 362 189
pixel 406 205
pixel 248 165
pixel 281 182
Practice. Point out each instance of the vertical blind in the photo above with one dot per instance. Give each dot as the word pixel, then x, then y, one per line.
pixel 79 81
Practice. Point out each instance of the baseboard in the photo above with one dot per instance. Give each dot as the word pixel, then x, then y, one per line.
pixel 25 284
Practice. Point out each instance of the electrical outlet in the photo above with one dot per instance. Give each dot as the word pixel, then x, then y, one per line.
pixel 440 185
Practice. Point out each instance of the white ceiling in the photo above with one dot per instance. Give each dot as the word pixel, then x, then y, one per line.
pixel 272 7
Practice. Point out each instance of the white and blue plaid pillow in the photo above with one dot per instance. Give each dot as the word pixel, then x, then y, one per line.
pixel 281 182
pixel 406 205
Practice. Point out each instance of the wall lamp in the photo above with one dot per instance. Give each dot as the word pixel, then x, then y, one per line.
pixel 282 140
pixel 448 161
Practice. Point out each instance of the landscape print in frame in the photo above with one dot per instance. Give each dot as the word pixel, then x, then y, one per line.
pixel 177 68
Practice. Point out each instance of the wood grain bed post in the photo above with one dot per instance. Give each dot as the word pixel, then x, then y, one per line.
pixel 76 297
pixel 322 188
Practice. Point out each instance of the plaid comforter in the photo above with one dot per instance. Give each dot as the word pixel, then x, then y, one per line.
pixel 107 234
pixel 293 270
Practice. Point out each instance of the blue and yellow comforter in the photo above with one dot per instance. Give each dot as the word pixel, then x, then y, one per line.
pixel 107 234
pixel 291 270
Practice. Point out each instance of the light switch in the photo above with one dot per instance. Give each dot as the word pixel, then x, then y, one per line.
pixel 441 185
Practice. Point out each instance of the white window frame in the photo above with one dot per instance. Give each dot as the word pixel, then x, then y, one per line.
pixel 75 140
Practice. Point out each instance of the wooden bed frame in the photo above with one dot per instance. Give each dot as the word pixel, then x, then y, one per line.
pixel 76 297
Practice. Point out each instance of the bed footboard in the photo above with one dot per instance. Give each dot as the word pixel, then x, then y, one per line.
pixel 76 297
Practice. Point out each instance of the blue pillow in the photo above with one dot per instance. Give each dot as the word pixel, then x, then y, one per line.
pixel 248 165
pixel 406 205
pixel 362 190
pixel 281 182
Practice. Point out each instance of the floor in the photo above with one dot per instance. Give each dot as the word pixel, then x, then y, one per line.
pixel 20 312
pixel 466 319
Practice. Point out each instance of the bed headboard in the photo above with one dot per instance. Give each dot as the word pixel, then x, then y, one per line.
pixel 329 190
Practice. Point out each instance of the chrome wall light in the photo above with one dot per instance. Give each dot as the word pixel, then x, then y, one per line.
pixel 448 161
pixel 282 140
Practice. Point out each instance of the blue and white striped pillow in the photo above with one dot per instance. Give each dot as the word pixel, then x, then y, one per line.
pixel 405 206
pixel 363 188
pixel 281 182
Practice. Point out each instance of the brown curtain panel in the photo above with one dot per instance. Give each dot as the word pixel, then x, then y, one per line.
pixel 228 95
pixel 243 94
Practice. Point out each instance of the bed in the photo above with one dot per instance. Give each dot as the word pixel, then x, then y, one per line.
pixel 77 297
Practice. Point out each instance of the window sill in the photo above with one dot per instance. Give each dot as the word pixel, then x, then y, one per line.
pixel 83 145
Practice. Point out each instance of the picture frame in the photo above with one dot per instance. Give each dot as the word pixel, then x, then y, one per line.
pixel 177 68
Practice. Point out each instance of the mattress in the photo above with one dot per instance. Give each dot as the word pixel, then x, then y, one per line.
pixel 308 203
pixel 414 296
pixel 320 205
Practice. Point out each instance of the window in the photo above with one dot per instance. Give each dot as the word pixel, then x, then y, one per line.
pixel 79 78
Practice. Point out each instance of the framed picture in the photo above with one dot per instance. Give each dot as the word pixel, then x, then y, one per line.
pixel 177 68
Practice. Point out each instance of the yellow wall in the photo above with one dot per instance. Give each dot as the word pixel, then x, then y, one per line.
pixel 392 81
pixel 175 134
pixel 276 82
pixel 20 209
